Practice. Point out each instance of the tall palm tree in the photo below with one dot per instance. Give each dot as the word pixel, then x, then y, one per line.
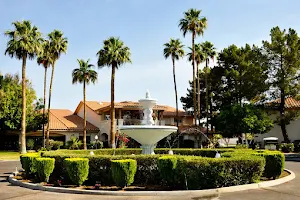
pixel 84 74
pixel 174 49
pixel 113 54
pixel 199 58
pixel 58 45
pixel 24 43
pixel 209 52
pixel 195 24
pixel 44 58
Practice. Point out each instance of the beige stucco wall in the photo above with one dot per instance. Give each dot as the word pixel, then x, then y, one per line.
pixel 91 116
pixel 293 130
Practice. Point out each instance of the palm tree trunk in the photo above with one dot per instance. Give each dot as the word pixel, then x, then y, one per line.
pixel 199 95
pixel 44 108
pixel 176 98
pixel 206 93
pixel 84 117
pixel 194 82
pixel 23 125
pixel 112 108
pixel 49 106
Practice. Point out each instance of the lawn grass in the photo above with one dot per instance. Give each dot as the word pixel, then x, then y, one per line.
pixel 9 155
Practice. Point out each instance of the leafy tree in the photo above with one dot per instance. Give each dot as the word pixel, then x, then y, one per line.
pixel 245 74
pixel 199 58
pixel 44 59
pixel 209 52
pixel 283 54
pixel 195 24
pixel 237 119
pixel 113 54
pixel 84 74
pixel 57 45
pixel 11 105
pixel 214 82
pixel 24 43
pixel 174 49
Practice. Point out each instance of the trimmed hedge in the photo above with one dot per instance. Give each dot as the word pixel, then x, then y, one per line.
pixel 208 173
pixel 237 166
pixel 128 151
pixel 28 163
pixel 167 166
pixel 77 169
pixel 44 168
pixel 123 171
pixel 274 164
pixel 274 160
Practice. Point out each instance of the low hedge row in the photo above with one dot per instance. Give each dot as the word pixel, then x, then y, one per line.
pixel 274 161
pixel 207 172
pixel 100 165
pixel 128 151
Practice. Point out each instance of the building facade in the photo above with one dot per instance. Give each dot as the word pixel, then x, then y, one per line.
pixel 293 129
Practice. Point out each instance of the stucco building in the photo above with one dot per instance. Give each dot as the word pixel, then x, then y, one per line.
pixel 293 129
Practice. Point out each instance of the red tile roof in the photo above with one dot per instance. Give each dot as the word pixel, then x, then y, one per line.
pixel 290 102
pixel 103 106
pixel 61 119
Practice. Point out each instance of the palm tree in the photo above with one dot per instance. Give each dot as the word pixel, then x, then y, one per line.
pixel 113 54
pixel 199 58
pixel 209 52
pixel 84 74
pixel 58 45
pixel 44 58
pixel 195 24
pixel 24 43
pixel 174 49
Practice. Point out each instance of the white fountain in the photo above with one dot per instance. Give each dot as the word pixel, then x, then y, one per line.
pixel 147 134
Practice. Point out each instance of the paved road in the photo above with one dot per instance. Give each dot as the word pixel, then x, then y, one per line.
pixel 286 191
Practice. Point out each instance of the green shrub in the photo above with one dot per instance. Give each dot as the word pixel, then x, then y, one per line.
pixel 167 166
pixel 241 146
pixel 129 151
pixel 296 145
pixel 274 164
pixel 147 165
pixel 123 171
pixel 55 144
pixel 77 169
pixel 205 173
pixel 30 144
pixel 74 143
pixel 274 160
pixel 44 167
pixel 28 163
pixel 286 147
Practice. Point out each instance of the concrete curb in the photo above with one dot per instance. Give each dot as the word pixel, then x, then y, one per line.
pixel 198 193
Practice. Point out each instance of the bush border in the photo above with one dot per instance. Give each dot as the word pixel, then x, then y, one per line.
pixel 199 193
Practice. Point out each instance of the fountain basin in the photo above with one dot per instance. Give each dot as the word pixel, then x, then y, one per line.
pixel 148 135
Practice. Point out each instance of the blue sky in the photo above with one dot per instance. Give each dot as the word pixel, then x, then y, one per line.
pixel 144 26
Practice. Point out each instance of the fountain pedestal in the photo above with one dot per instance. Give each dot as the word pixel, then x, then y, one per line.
pixel 148 134
pixel 148 149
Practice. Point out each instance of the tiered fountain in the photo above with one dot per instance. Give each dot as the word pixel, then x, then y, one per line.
pixel 147 134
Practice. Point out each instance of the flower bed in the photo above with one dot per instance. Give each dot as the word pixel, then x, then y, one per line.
pixel 197 170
